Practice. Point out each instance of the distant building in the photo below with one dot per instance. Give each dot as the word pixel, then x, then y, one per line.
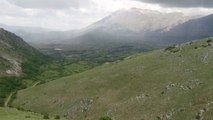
pixel 57 49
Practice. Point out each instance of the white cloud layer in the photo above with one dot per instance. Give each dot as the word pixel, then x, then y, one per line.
pixel 50 4
pixel 73 14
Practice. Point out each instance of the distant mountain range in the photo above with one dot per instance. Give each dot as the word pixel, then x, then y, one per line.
pixel 39 35
pixel 134 25
pixel 20 29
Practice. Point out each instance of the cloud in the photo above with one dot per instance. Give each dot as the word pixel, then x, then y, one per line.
pixel 74 14
pixel 51 4
pixel 181 3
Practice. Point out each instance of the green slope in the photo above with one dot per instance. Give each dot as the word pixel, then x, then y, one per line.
pixel 13 114
pixel 18 61
pixel 15 53
pixel 176 84
pixel 21 66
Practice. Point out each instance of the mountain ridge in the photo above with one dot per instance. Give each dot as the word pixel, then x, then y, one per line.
pixel 14 51
pixel 200 27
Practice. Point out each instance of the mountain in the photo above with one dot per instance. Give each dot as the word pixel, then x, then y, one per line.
pixel 140 20
pixel 130 26
pixel 146 27
pixel 172 83
pixel 13 52
pixel 192 29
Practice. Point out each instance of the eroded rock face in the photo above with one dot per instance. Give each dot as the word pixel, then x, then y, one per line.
pixel 15 68
pixel 10 65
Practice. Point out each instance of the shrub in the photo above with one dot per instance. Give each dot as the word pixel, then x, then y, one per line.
pixel 105 118
pixel 46 117
pixel 209 40
pixel 198 116
pixel 158 118
pixel 172 49
pixel 27 117
pixel 57 117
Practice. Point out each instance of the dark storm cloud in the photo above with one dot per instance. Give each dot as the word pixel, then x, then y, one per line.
pixel 182 3
pixel 51 4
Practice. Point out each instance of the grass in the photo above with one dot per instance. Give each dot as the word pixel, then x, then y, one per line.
pixel 14 114
pixel 155 85
pixel 40 72
pixel 62 68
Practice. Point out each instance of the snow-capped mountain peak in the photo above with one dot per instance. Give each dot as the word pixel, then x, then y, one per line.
pixel 138 20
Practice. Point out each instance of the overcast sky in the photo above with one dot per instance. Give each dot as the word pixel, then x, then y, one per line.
pixel 77 14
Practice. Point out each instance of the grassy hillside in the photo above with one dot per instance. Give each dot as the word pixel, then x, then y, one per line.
pixel 13 114
pixel 21 65
pixel 171 84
